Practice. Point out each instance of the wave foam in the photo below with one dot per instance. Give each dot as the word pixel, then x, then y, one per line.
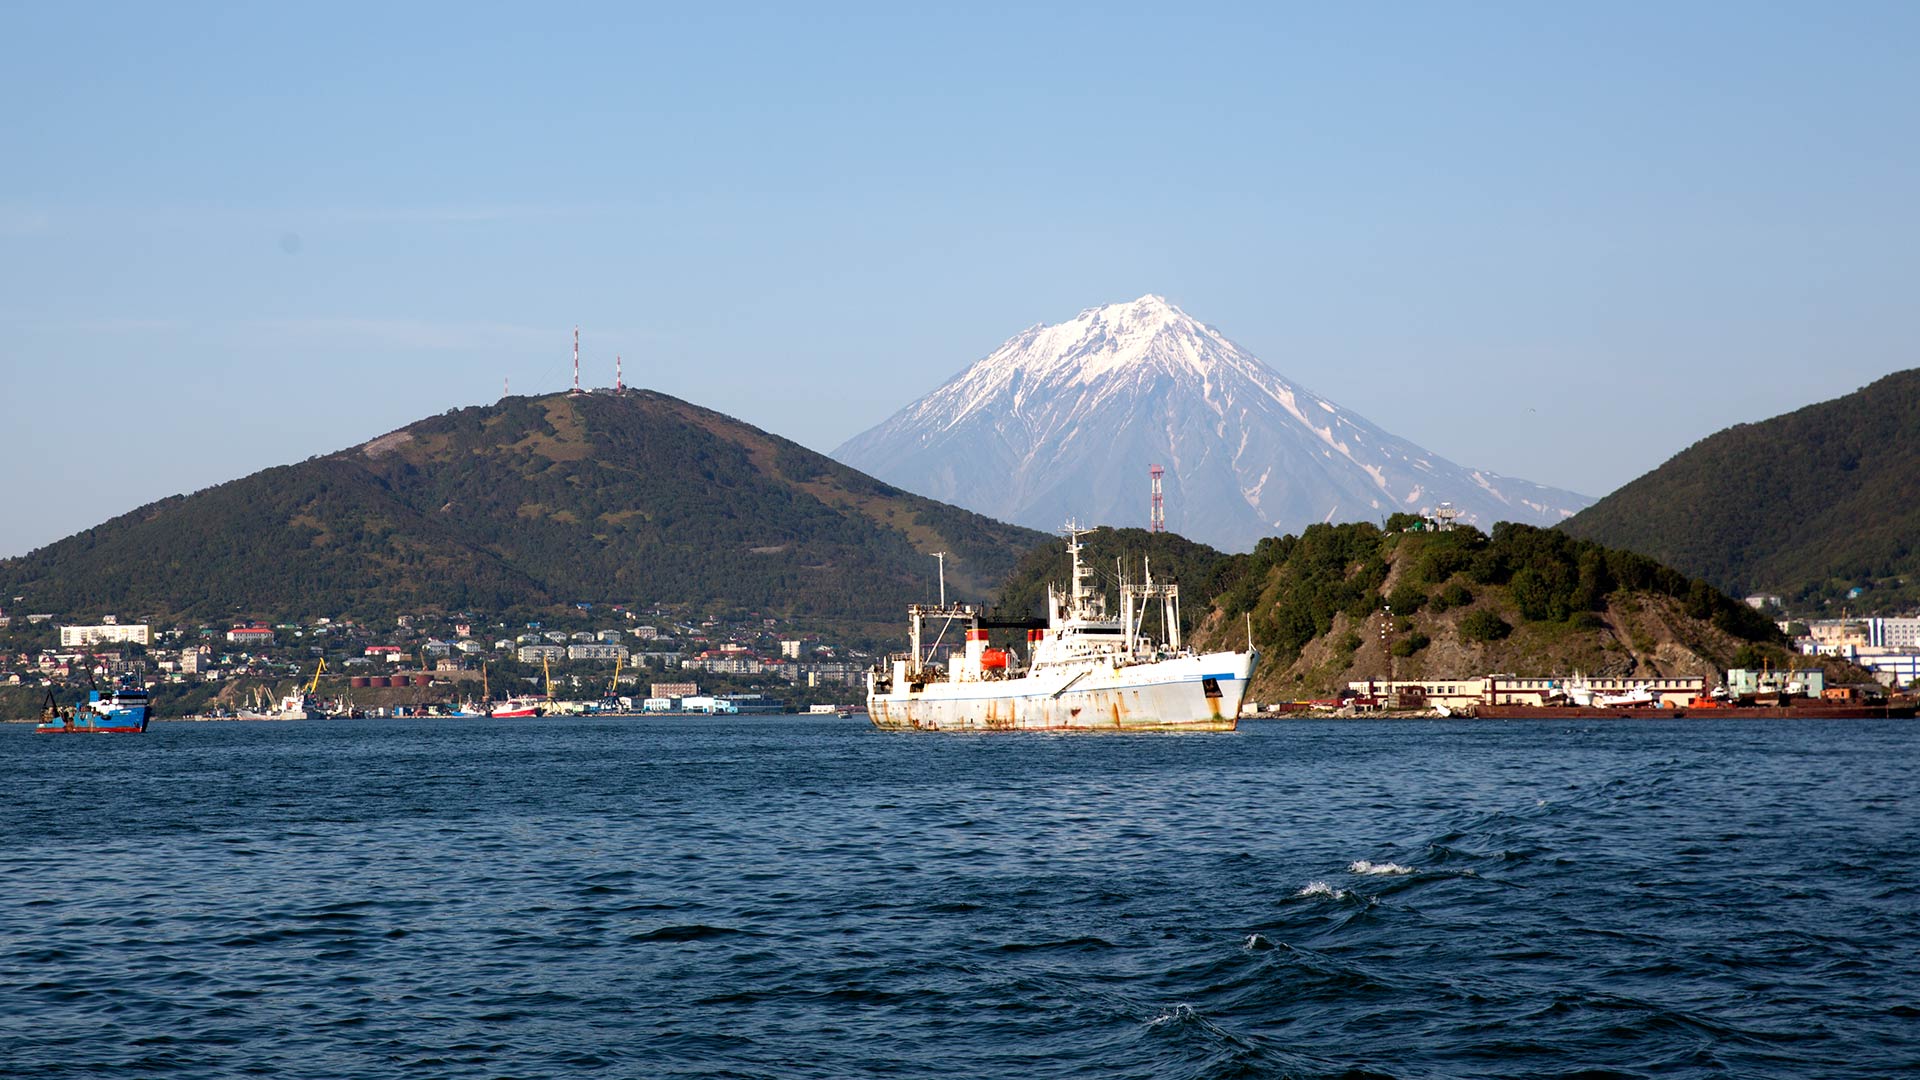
pixel 1365 867
pixel 1321 888
pixel 1181 1013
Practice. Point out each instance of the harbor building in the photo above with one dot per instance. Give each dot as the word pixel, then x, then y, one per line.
pixel 1890 666
pixel 73 637
pixel 596 652
pixel 1894 633
pixel 1742 681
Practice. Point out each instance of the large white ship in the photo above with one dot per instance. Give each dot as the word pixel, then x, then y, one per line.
pixel 1086 670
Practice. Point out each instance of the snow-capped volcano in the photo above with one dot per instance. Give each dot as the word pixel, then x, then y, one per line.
pixel 1064 420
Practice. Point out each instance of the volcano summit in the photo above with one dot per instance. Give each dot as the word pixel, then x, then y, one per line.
pixel 1063 421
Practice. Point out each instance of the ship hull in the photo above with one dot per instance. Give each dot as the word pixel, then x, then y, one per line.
pixel 1190 693
pixel 111 722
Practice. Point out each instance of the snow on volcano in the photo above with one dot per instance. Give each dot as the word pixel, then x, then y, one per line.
pixel 1063 421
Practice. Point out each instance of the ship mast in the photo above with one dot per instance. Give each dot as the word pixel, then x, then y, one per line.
pixel 1079 590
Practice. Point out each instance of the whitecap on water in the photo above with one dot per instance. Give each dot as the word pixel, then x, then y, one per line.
pixel 1365 867
pixel 1257 943
pixel 1321 888
pixel 1180 1013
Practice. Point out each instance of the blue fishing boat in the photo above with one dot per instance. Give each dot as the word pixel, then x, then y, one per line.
pixel 125 710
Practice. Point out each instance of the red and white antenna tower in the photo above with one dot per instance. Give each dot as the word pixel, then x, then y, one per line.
pixel 506 386
pixel 1157 514
pixel 576 360
pixel 619 385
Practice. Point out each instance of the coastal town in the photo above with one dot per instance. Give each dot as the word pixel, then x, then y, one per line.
pixel 614 656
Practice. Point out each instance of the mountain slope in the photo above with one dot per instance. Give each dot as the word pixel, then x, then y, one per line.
pixel 1063 421
pixel 526 503
pixel 1806 505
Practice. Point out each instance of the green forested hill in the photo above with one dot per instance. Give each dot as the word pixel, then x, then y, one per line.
pixel 527 503
pixel 1525 600
pixel 1807 505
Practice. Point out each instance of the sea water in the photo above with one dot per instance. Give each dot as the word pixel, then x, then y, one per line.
pixel 797 897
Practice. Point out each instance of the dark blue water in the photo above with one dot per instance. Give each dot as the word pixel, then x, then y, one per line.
pixel 811 898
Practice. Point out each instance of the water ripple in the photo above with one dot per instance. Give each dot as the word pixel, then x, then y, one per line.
pixel 810 898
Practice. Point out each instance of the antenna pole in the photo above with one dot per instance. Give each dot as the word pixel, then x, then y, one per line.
pixel 576 359
pixel 942 556
pixel 619 384
pixel 1157 511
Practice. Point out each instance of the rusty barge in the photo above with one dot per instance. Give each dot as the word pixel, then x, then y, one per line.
pixel 1085 669
pixel 1803 710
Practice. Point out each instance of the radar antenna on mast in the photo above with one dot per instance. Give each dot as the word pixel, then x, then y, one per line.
pixel 1157 512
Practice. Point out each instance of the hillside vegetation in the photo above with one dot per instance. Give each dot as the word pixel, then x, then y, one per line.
pixel 526 504
pixel 1808 505
pixel 1345 602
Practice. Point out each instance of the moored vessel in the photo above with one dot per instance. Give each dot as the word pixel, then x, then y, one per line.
pixel 1085 669
pixel 125 710
pixel 1699 710
pixel 295 706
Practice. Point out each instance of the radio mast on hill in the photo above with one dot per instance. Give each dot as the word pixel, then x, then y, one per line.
pixel 576 360
pixel 619 385
pixel 1157 513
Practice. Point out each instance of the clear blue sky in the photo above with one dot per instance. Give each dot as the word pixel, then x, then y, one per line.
pixel 237 236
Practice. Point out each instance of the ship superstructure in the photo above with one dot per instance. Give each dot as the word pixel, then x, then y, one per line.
pixel 1085 668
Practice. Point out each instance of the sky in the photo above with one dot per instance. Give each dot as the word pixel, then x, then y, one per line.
pixel 1559 244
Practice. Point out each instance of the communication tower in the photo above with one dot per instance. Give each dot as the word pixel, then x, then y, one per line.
pixel 576 361
pixel 619 385
pixel 1157 513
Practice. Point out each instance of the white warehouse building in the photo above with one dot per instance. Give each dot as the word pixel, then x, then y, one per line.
pixel 77 636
